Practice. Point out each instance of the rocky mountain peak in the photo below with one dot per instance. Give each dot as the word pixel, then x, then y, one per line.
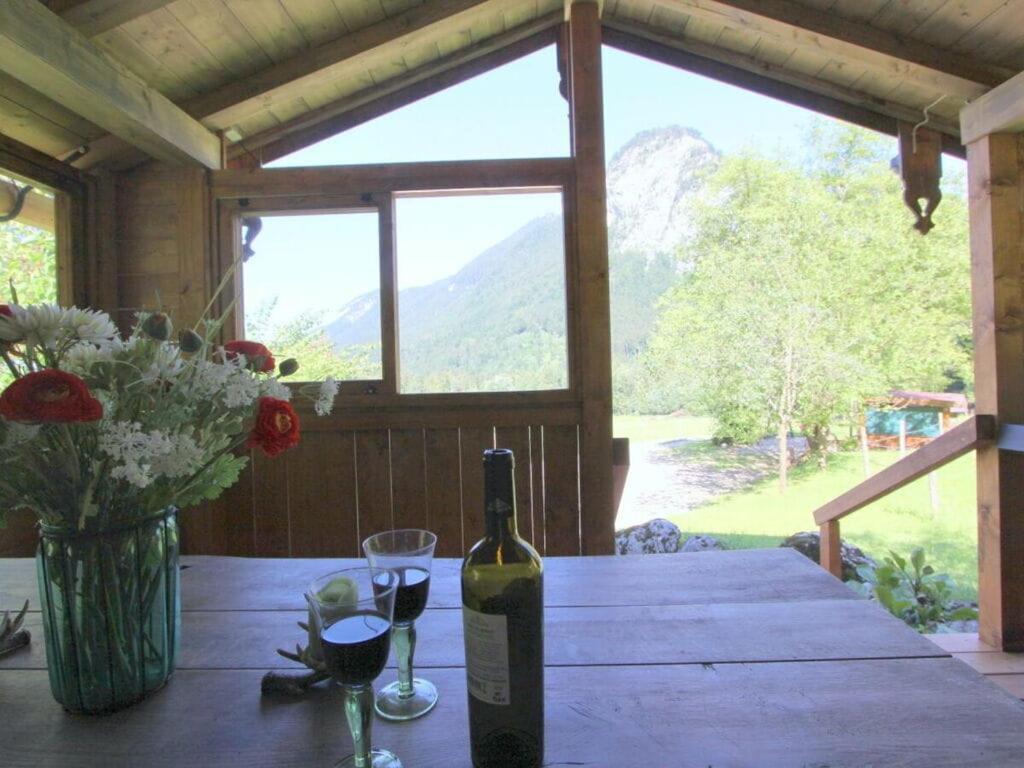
pixel 653 182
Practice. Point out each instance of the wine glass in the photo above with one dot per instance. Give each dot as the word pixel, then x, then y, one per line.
pixel 352 612
pixel 409 553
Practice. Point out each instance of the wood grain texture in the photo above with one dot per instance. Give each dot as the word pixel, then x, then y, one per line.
pixel 270 495
pixel 995 166
pixel 443 480
pixel 409 478
pixel 811 630
pixel 1001 110
pixel 48 55
pixel 472 444
pixel 226 583
pixel 764 714
pixel 373 482
pixel 562 479
pixel 593 356
pixel 517 440
pixel 322 514
pixel 94 17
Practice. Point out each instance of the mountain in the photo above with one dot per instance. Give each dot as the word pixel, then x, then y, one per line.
pixel 499 322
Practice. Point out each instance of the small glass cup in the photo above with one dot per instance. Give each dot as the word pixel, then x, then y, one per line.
pixel 352 612
pixel 408 552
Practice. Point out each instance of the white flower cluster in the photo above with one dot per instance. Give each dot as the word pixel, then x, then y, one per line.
pixel 42 325
pixel 147 456
pixel 228 380
pixel 272 387
pixel 325 397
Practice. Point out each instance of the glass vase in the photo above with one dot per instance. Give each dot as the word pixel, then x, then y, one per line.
pixel 111 612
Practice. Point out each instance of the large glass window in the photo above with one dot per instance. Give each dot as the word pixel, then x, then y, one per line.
pixel 312 290
pixel 482 302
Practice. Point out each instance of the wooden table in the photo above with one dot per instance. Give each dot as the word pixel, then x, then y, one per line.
pixel 752 658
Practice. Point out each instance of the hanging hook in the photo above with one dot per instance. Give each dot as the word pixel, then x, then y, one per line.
pixel 19 202
pixel 923 123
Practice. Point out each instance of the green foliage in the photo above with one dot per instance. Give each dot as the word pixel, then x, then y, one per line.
pixel 810 292
pixel 28 256
pixel 304 339
pixel 916 594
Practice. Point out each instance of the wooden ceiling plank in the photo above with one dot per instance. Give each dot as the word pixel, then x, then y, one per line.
pixel 795 24
pixel 48 55
pixel 954 20
pixel 318 20
pixel 904 17
pixel 94 17
pixel 381 99
pixel 235 101
pixel 1001 110
pixel 997 38
pixel 271 26
pixel 216 29
pixel 776 82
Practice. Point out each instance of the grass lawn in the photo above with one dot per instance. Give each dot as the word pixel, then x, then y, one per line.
pixel 642 429
pixel 761 516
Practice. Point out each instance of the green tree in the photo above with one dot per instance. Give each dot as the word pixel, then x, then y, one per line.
pixel 810 292
pixel 28 260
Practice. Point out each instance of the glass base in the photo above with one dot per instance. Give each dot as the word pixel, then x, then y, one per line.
pixel 380 758
pixel 392 706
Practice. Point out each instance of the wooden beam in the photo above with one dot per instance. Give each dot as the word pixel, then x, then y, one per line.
pixel 827 32
pixel 228 105
pixel 36 210
pixel 47 54
pixel 400 91
pixel 593 326
pixel 392 177
pixel 94 17
pixel 1001 110
pixel 962 439
pixel 773 81
pixel 995 169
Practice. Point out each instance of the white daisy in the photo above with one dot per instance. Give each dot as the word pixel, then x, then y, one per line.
pixel 325 397
pixel 88 324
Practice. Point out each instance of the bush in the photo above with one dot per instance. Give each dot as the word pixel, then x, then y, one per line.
pixel 917 595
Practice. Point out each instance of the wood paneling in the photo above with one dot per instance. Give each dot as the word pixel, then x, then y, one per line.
pixel 444 490
pixel 473 442
pixel 373 482
pixel 408 478
pixel 562 491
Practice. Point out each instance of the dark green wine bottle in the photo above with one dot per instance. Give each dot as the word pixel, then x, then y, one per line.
pixel 503 626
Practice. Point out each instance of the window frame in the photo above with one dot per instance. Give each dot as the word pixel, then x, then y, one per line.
pixel 240 192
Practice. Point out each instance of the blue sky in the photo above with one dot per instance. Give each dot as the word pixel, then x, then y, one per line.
pixel 515 111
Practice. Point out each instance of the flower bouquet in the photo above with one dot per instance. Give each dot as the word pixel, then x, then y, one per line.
pixel 104 438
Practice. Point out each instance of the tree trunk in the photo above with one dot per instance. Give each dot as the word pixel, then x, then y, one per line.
pixel 783 455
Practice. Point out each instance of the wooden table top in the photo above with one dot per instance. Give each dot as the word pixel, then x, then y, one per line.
pixel 747 658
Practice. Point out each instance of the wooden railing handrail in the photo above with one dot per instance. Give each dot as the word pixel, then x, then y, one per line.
pixel 960 440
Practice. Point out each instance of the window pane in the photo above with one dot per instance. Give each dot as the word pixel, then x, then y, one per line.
pixel 481 293
pixel 312 292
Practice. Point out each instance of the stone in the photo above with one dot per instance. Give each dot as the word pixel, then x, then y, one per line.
pixel 808 543
pixel 702 543
pixel 648 538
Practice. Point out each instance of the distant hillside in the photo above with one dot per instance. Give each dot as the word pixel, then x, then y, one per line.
pixel 499 322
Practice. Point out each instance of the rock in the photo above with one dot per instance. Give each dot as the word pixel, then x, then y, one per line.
pixel 702 543
pixel 808 543
pixel 648 538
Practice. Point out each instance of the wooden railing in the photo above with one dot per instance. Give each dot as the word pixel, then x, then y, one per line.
pixel 960 440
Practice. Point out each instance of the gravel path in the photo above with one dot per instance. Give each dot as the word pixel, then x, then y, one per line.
pixel 671 478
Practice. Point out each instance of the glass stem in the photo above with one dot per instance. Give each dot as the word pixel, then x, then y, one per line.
pixel 403 637
pixel 359 713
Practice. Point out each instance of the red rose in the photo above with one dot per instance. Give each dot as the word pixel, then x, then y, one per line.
pixel 5 310
pixel 257 356
pixel 49 396
pixel 276 428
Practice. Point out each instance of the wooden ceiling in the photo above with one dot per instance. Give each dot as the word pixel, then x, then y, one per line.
pixel 282 73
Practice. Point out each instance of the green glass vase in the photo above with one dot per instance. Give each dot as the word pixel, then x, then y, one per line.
pixel 111 612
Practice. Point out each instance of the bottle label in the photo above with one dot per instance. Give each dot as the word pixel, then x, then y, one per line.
pixel 487 656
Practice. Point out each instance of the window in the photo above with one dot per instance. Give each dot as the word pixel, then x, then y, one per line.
pixel 481 302
pixel 312 290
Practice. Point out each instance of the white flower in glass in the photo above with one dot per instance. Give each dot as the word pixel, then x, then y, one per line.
pixel 325 398
pixel 88 324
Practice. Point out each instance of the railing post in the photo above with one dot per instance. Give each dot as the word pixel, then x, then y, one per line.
pixel 831 557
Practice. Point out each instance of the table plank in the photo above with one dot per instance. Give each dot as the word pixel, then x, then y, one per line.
pixel 739 576
pixel 687 634
pixel 847 713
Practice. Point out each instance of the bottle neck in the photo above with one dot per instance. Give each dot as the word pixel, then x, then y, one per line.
pixel 500 500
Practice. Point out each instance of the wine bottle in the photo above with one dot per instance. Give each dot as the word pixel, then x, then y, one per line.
pixel 503 627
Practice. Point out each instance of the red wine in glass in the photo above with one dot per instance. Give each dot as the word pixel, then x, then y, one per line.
pixel 356 647
pixel 411 595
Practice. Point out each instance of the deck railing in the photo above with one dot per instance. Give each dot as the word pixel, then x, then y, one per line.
pixel 960 440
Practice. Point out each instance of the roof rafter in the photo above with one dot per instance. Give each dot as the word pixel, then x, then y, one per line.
pixel 1001 110
pixel 48 55
pixel 393 94
pixel 94 17
pixel 239 99
pixel 756 75
pixel 803 27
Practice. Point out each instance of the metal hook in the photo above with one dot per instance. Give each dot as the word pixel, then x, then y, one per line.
pixel 923 123
pixel 19 202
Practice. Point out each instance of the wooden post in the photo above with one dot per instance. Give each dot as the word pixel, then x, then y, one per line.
pixel 830 550
pixel 593 364
pixel 996 190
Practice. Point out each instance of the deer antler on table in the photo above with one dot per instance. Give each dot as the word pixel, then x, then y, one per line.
pixel 12 636
pixel 297 683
